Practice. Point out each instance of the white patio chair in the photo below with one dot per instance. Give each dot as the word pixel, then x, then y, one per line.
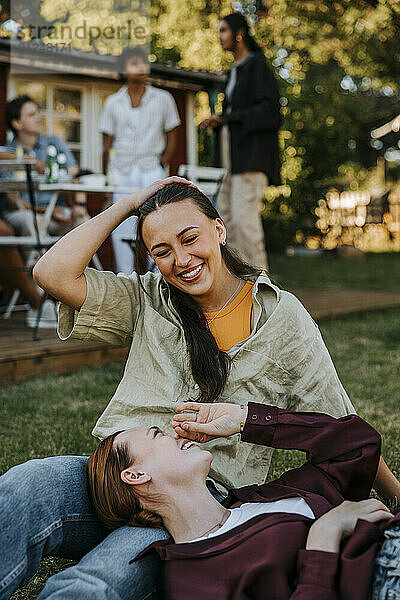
pixel 207 179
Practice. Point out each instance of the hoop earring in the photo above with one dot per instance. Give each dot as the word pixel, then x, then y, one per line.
pixel 223 243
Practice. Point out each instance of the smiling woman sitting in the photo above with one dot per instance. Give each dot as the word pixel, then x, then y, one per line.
pixel 208 282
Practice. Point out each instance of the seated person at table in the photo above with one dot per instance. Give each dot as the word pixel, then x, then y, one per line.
pixel 312 534
pixel 23 119
pixel 13 276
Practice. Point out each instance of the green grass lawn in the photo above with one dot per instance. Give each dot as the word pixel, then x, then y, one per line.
pixel 55 414
pixel 376 272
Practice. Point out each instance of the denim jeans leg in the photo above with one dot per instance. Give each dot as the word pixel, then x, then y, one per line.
pixel 105 572
pixel 44 510
pixel 386 579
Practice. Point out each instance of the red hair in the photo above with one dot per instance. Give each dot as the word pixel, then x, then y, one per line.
pixel 116 503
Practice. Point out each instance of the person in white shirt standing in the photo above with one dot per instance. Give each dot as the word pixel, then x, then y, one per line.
pixel 139 125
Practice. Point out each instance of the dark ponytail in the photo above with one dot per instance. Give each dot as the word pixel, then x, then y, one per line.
pixel 237 23
pixel 209 365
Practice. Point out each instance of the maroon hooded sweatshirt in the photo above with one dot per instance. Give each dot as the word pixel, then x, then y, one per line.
pixel 265 558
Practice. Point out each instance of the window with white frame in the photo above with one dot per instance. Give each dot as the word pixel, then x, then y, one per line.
pixel 70 110
pixel 60 106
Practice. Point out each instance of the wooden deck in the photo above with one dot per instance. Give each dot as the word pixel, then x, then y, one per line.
pixel 331 304
pixel 21 357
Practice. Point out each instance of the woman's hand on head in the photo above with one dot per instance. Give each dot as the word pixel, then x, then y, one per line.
pixel 206 421
pixel 138 198
pixel 329 530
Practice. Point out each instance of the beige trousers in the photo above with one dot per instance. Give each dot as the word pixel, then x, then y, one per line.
pixel 239 202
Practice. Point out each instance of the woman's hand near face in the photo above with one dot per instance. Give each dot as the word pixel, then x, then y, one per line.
pixel 335 525
pixel 208 421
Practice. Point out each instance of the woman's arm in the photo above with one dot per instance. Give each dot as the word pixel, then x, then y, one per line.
pixel 386 484
pixel 60 269
pixel 317 386
pixel 345 449
pixel 317 565
pixel 226 418
pixel 327 533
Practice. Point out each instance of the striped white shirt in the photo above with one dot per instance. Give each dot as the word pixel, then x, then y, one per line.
pixel 139 133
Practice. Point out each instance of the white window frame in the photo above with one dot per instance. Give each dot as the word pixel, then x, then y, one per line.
pixel 95 140
pixel 191 130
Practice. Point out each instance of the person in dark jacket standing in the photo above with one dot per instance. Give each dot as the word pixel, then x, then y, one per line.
pixel 247 139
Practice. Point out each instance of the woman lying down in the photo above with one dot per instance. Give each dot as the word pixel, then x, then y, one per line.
pixel 312 534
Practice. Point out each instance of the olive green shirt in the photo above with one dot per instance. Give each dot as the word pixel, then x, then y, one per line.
pixel 284 362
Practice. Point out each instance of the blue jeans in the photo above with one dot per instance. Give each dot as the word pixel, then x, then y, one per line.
pixel 45 510
pixel 386 581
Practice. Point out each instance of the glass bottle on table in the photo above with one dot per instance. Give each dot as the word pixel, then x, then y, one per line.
pixel 62 165
pixel 51 164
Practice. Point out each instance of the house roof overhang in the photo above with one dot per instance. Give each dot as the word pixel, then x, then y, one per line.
pixel 78 63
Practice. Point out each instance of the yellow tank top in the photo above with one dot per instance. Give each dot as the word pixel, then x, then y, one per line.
pixel 233 323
